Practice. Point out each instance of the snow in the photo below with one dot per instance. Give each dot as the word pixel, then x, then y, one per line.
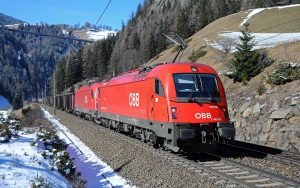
pixel 287 6
pixel 262 40
pixel 258 10
pixel 99 35
pixel 21 163
pixel 65 32
pixel 92 168
pixel 252 13
pixel 4 114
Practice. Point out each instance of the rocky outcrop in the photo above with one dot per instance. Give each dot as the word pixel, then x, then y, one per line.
pixel 272 119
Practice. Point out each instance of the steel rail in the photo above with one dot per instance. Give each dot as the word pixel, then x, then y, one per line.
pixel 284 156
pixel 262 174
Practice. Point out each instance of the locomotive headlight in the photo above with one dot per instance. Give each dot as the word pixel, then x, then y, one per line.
pixel 174 112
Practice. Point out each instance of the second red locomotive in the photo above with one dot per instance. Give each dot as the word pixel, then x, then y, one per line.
pixel 179 106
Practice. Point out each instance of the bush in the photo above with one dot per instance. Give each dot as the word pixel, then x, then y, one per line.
pixel 261 89
pixel 64 164
pixel 5 132
pixel 283 73
pixel 39 182
pixel 197 54
pixel 55 150
pixel 25 110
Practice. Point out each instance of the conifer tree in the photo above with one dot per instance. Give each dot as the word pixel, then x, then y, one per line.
pixel 152 45
pixel 245 63
pixel 60 75
pixel 183 25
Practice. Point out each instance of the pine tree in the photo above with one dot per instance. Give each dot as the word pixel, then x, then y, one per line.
pixel 183 25
pixel 135 41
pixel 78 66
pixel 151 49
pixel 60 75
pixel 70 73
pixel 89 66
pixel 245 63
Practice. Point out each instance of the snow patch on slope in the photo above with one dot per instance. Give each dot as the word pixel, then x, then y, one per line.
pixel 258 10
pixel 252 13
pixel 94 170
pixel 262 40
pixel 99 35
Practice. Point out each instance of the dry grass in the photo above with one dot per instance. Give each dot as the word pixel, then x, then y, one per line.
pixel 30 116
pixel 81 34
pixel 285 20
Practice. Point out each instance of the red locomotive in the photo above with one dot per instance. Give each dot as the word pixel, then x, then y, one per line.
pixel 179 106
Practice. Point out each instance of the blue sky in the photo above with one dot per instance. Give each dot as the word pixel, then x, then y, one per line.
pixel 70 11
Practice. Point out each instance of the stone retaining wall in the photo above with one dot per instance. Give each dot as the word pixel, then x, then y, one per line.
pixel 273 122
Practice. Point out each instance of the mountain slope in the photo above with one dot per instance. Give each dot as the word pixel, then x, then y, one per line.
pixel 8 20
pixel 273 118
pixel 27 61
pixel 268 21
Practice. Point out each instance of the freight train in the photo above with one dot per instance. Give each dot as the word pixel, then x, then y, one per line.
pixel 176 106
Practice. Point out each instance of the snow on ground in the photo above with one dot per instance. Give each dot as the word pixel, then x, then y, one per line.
pixel 4 114
pixel 99 35
pixel 262 40
pixel 96 172
pixel 258 10
pixel 21 163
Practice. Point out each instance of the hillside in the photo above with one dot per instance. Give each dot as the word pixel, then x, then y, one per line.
pixel 92 34
pixel 27 61
pixel 272 118
pixel 8 20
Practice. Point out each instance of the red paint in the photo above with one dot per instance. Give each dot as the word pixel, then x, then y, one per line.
pixel 133 95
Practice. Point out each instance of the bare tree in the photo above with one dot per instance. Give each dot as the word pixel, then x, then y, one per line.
pixel 226 46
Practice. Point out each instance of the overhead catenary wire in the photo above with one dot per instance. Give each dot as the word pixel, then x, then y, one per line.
pixel 45 35
pixel 104 10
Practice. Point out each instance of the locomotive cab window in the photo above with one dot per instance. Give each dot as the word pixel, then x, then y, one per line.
pixel 203 86
pixel 159 89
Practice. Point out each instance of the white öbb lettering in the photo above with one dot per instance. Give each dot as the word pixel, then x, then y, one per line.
pixel 203 115
pixel 134 99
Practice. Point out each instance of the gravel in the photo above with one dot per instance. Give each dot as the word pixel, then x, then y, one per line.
pixel 140 165
pixel 277 167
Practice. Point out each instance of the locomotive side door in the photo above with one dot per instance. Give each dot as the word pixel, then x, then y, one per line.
pixel 160 110
pixel 96 98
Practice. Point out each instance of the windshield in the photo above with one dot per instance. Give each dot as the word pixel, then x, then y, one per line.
pixel 196 85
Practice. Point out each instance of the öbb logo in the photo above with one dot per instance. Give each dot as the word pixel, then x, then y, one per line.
pixel 134 99
pixel 203 115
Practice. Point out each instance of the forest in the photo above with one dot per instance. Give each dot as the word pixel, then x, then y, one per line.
pixel 27 61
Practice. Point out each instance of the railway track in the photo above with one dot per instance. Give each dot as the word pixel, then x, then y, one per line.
pixel 251 176
pixel 267 152
pixel 235 174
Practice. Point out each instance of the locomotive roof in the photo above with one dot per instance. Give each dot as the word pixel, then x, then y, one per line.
pixel 157 71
